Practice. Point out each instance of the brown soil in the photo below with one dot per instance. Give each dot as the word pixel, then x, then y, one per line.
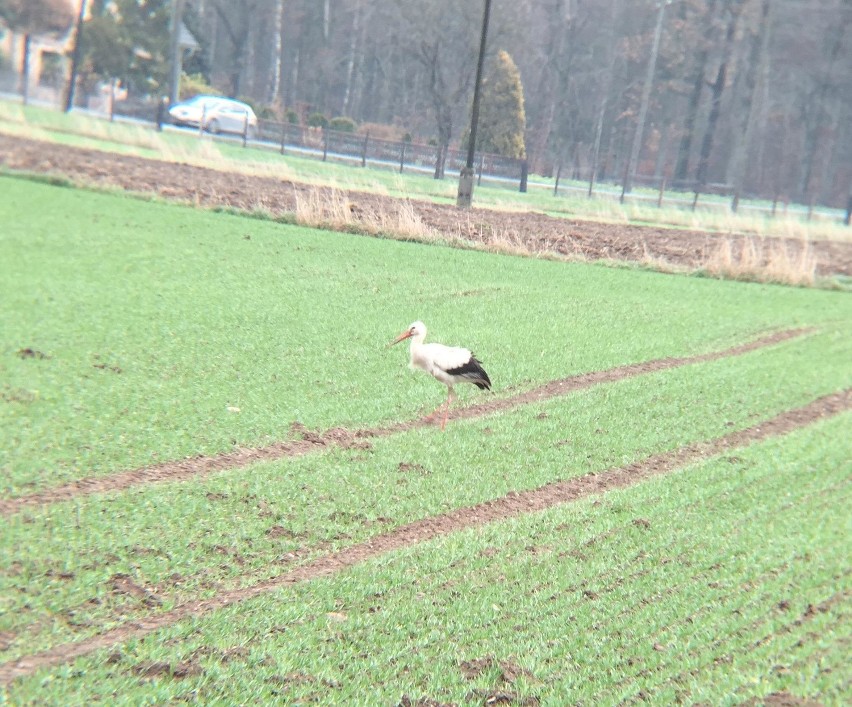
pixel 511 505
pixel 340 437
pixel 537 232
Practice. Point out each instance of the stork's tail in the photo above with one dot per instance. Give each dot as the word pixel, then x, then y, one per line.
pixel 473 372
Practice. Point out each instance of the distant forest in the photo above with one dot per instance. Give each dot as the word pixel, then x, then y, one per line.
pixel 752 94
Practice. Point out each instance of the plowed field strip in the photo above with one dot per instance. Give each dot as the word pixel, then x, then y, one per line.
pixel 514 504
pixel 196 466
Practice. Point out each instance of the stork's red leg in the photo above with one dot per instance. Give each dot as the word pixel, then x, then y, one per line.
pixel 447 408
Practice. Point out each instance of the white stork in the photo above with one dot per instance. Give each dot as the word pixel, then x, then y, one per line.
pixel 449 364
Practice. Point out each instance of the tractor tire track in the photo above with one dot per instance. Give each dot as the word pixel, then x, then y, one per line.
pixel 343 438
pixel 512 505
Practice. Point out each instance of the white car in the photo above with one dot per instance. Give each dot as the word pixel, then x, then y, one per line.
pixel 215 114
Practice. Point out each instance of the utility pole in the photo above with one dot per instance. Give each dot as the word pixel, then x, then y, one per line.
pixel 465 194
pixel 630 173
pixel 75 58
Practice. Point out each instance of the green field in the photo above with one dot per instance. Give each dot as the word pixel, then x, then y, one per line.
pixel 136 333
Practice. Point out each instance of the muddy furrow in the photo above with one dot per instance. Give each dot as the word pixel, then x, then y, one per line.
pixel 340 437
pixel 511 505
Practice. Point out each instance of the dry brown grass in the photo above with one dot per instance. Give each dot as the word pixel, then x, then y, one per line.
pixel 331 209
pixel 763 260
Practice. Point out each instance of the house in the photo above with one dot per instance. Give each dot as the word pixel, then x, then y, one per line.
pixel 48 60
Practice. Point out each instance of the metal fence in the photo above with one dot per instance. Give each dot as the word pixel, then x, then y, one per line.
pixel 401 155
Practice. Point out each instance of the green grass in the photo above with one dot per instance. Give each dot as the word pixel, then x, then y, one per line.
pixel 725 581
pixel 213 532
pixel 158 320
pixel 713 215
pixel 169 331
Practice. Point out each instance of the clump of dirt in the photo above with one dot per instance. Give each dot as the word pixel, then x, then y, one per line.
pixel 406 701
pixel 507 672
pixel 123 584
pixel 502 697
pixel 406 467
pixel 156 669
pixel 31 353
pixel 781 699
pixel 279 531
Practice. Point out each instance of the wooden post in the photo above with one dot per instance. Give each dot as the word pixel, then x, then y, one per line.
pixel 364 151
pixel 283 135
pixel 662 191
pixel 402 158
pixel 324 144
pixel 558 175
pixel 695 200
pixel 525 169
pixel 479 176
pixel 161 113
pixel 245 129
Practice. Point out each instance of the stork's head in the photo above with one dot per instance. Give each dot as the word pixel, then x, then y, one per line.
pixel 417 330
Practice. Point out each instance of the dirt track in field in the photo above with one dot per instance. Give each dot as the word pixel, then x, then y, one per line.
pixel 511 505
pixel 536 232
pixel 341 437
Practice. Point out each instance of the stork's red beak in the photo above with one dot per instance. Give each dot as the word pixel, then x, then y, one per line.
pixel 401 337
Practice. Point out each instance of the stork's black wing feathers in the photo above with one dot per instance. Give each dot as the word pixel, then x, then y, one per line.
pixel 473 372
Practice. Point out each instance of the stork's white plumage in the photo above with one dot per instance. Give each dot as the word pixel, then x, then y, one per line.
pixel 448 364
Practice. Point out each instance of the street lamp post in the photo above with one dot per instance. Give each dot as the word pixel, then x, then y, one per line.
pixel 465 194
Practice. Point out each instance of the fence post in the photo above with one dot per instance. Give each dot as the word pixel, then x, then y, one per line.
pixel 364 151
pixel 525 168
pixel 848 209
pixel 481 165
pixel 558 175
pixel 283 136
pixel 695 199
pixel 660 195
pixel 324 144
pixel 112 101
pixel 245 129
pixel 401 158
pixel 161 113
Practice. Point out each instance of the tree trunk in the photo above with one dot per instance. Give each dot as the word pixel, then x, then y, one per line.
pixel 350 65
pixel 25 68
pixel 684 151
pixel 718 88
pixel 816 123
pixel 759 58
pixel 274 89
pixel 630 174
pixel 326 18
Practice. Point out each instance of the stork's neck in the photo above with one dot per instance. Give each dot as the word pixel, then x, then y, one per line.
pixel 417 340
